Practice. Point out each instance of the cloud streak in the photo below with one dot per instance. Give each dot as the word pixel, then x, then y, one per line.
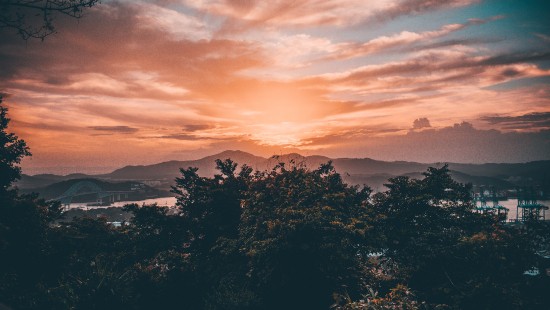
pixel 242 15
pixel 115 129
pixel 399 40
pixel 530 121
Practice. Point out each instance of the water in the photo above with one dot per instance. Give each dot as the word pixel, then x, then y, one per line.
pixel 162 201
pixel 509 204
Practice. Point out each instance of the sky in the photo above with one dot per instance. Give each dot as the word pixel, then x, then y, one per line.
pixel 140 82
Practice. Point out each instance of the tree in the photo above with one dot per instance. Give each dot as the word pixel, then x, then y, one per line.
pixel 212 206
pixel 34 18
pixel 24 223
pixel 305 234
pixel 447 254
pixel 211 212
pixel 286 238
pixel 12 150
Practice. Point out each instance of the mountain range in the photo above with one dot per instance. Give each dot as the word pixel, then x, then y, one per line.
pixel 373 173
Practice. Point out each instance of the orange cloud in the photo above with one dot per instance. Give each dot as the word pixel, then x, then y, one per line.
pixel 288 13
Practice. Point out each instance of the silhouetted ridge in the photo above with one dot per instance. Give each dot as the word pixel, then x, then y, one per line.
pixel 354 170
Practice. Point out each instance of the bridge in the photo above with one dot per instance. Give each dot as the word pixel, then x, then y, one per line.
pixel 89 188
pixel 528 208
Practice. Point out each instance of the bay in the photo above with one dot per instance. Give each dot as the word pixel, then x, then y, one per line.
pixel 161 201
pixel 510 204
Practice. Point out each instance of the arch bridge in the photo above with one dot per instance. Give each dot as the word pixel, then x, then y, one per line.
pixel 88 187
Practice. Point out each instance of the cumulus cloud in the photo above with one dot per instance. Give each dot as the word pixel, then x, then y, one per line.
pixel 461 142
pixel 420 123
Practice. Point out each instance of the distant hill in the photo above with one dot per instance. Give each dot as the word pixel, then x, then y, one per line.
pixel 42 180
pixel 354 170
pixel 170 169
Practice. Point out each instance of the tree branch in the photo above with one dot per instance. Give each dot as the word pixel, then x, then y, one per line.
pixel 21 15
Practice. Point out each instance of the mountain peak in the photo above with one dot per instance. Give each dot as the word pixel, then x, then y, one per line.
pixel 234 155
pixel 233 152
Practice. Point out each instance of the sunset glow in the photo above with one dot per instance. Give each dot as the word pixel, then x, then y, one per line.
pixel 138 82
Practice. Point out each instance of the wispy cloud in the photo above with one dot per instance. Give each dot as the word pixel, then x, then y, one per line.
pixel 529 121
pixel 180 136
pixel 287 13
pixel 196 127
pixel 115 129
pixel 543 37
pixel 402 40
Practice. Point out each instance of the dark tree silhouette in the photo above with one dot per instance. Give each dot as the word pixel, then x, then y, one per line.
pixel 12 150
pixel 446 253
pixel 34 18
pixel 305 234
pixel 23 224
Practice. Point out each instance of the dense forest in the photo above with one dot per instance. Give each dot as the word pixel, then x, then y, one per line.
pixel 292 237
